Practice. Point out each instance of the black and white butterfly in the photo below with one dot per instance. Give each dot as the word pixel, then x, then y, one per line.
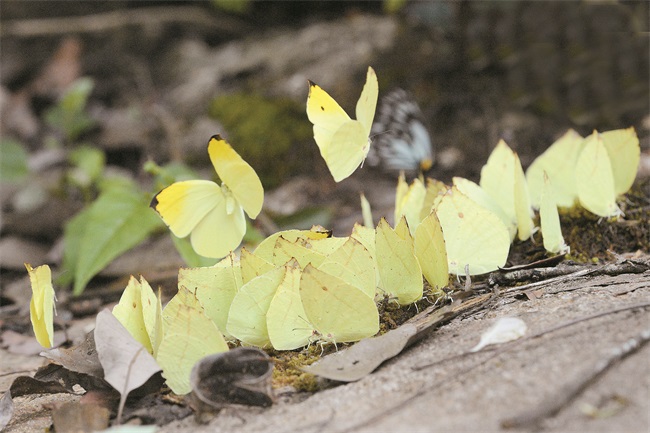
pixel 400 141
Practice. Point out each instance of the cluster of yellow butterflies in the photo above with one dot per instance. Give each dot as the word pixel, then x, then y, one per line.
pixel 304 286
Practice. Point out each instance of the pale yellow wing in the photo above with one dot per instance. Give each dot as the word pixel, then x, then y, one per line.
pixel 326 115
pixel 435 190
pixel 285 251
pixel 410 204
pixel 559 162
pixel 252 265
pixel 286 320
pixel 41 305
pixel 523 209
pixel 337 310
pixel 247 316
pixel 498 178
pixel 219 232
pixel 479 196
pixel 550 221
pixel 367 103
pixel 129 312
pixel 398 267
pixel 624 153
pixel 354 264
pixel 215 287
pixel 237 175
pixel 348 149
pixel 182 205
pixel 366 212
pixel 189 335
pixel 265 249
pixel 595 180
pixel 431 252
pixel 474 236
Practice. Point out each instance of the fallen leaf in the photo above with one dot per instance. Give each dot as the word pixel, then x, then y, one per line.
pixel 81 358
pixel 364 357
pixel 127 364
pixel 76 417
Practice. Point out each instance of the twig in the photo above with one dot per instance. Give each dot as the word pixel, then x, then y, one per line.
pixel 569 393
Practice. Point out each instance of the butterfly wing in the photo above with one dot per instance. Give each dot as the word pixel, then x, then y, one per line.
pixel 326 115
pixel 237 175
pixel 595 178
pixel 347 150
pixel 219 232
pixel 367 103
pixel 400 139
pixel 338 310
pixel 183 204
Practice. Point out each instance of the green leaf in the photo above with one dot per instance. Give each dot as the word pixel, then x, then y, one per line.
pixel 89 165
pixel 13 161
pixel 191 258
pixel 117 221
pixel 169 173
pixel 69 114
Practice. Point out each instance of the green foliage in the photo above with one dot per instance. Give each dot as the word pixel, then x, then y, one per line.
pixel 69 114
pixel 264 130
pixel 88 166
pixel 117 221
pixel 13 161
pixel 167 174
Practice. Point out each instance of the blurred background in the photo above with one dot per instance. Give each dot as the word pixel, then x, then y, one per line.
pixel 92 92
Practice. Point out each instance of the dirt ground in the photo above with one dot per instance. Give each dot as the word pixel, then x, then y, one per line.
pixel 471 392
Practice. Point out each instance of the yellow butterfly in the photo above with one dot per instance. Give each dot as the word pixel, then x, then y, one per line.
pixel 213 215
pixel 41 306
pixel 140 312
pixel 343 142
pixel 550 220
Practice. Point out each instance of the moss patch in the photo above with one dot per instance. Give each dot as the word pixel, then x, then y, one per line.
pixel 266 132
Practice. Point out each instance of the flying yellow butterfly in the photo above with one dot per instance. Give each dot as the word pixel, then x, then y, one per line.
pixel 213 214
pixel 343 142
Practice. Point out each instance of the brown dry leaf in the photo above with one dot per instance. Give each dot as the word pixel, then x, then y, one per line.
pixel 76 417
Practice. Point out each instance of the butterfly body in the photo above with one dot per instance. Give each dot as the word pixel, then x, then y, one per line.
pixel 401 141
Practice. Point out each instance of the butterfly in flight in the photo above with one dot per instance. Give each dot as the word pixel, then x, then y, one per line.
pixel 400 141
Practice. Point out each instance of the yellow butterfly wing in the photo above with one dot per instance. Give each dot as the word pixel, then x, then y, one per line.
pixel 480 196
pixel 337 310
pixel 595 179
pixel 398 267
pixel 252 265
pixel 354 264
pixel 237 175
pixel 286 320
pixel 219 232
pixel 410 204
pixel 265 249
pixel 474 236
pixel 435 190
pixel 343 142
pixel 247 316
pixel 347 150
pixel 189 335
pixel 366 212
pixel 285 251
pixel 215 287
pixel 624 154
pixel 41 305
pixel 367 103
pixel 182 205
pixel 431 252
pixel 559 162
pixel 523 209
pixel 130 312
pixel 550 221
